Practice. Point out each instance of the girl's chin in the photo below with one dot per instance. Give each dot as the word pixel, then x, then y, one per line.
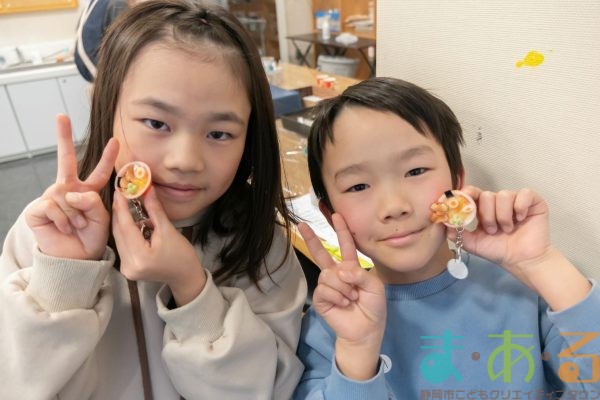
pixel 178 216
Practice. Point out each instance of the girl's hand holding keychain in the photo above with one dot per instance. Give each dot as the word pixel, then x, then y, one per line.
pixel 70 220
pixel 132 181
pixel 150 247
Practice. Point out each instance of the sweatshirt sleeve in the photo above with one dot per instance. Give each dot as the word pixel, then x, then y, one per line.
pixel 52 314
pixel 238 342
pixel 322 379
pixel 572 344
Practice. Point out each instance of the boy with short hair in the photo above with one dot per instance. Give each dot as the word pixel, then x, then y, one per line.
pixel 380 155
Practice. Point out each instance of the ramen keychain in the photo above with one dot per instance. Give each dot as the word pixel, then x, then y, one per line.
pixel 132 180
pixel 456 210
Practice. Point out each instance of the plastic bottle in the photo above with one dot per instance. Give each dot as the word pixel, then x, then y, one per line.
pixel 334 15
pixel 326 29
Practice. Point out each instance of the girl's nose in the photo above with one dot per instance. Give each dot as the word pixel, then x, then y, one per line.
pixel 184 153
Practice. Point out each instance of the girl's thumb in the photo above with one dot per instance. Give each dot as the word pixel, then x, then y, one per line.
pixel 156 212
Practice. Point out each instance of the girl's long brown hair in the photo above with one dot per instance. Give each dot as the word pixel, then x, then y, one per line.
pixel 248 212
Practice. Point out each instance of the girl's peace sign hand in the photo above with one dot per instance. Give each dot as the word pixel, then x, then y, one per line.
pixel 351 300
pixel 69 220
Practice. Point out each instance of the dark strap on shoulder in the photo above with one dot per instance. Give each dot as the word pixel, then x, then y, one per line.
pixel 141 338
pixel 136 310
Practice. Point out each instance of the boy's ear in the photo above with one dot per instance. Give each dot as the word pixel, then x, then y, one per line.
pixel 326 211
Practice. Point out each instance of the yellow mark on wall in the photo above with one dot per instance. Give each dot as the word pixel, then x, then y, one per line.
pixel 532 59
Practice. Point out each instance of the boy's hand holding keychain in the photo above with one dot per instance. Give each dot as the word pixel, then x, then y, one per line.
pixel 456 210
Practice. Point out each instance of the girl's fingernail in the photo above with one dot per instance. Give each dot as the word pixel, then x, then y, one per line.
pixel 73 196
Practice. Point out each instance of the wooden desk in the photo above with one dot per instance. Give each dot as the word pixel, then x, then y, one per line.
pixel 332 47
pixel 291 144
pixel 297 77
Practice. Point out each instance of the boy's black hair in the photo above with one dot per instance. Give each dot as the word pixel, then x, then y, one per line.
pixel 425 112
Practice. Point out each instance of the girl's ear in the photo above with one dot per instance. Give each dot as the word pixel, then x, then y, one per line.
pixel 326 211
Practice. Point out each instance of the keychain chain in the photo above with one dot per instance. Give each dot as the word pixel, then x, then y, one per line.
pixel 141 218
pixel 459 242
pixel 456 266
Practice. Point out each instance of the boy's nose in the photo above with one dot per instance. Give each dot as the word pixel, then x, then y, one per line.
pixel 393 204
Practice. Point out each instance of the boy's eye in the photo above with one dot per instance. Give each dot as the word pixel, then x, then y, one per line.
pixel 416 171
pixel 155 124
pixel 219 135
pixel 358 188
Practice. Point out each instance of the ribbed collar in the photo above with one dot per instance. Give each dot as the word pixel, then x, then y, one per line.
pixel 419 290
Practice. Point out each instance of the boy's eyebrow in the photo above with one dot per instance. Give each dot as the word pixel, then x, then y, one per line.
pixel 225 116
pixel 403 156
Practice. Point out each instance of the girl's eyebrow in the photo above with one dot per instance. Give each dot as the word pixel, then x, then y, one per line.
pixel 156 103
pixel 225 116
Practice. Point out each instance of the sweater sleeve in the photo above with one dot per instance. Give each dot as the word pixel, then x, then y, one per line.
pixel 238 342
pixel 322 379
pixel 572 344
pixel 52 314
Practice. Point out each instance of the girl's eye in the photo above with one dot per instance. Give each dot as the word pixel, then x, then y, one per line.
pixel 219 135
pixel 358 188
pixel 416 172
pixel 156 125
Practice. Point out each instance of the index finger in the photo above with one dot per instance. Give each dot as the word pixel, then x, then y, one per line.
pixel 65 151
pixel 347 247
pixel 472 191
pixel 103 171
pixel 315 247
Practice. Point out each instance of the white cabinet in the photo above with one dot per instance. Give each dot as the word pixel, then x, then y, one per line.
pixel 11 140
pixel 36 104
pixel 74 91
pixel 29 102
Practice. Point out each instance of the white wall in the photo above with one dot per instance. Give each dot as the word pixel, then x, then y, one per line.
pixel 530 126
pixel 40 26
pixel 293 17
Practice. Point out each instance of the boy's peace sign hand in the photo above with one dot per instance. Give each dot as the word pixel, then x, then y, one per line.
pixel 351 300
pixel 69 220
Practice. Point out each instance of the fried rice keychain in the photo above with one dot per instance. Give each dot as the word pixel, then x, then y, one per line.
pixel 456 210
pixel 132 180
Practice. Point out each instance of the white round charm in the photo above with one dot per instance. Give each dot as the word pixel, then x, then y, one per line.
pixel 457 269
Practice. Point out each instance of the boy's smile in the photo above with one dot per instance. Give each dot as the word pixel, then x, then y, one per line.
pixel 382 176
pixel 185 114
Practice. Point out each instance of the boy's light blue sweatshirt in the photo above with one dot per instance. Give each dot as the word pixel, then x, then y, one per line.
pixel 485 337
